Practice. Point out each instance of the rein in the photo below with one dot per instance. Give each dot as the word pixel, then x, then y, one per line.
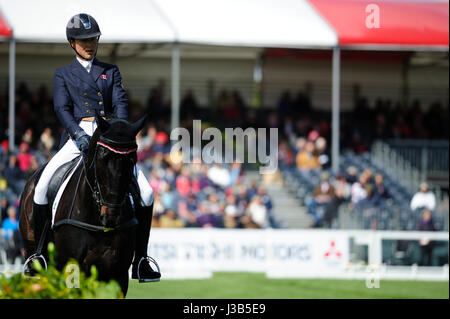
pixel 96 191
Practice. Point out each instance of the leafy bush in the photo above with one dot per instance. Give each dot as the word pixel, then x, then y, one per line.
pixel 70 283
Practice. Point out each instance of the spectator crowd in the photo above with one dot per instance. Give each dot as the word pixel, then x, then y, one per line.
pixel 201 195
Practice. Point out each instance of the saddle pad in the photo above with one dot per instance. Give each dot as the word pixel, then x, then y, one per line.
pixel 62 188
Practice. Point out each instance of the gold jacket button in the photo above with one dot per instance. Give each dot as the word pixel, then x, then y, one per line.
pixel 87 111
pixel 85 94
pixel 100 103
pixel 99 93
pixel 86 103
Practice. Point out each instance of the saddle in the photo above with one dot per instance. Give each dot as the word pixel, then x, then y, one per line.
pixel 62 174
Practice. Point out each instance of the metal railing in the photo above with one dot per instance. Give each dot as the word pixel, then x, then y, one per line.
pixel 429 157
pixel 395 165
pixel 388 216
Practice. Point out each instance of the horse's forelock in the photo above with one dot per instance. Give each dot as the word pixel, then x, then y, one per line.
pixel 119 131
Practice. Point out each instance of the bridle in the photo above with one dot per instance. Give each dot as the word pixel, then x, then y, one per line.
pixel 122 148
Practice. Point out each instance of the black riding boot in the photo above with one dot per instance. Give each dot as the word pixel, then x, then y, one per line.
pixel 141 265
pixel 41 216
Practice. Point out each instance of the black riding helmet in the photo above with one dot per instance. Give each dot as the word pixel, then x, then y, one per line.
pixel 82 26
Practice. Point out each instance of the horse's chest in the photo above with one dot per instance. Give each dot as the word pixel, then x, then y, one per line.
pixel 108 253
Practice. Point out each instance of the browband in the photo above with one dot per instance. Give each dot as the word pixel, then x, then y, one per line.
pixel 116 150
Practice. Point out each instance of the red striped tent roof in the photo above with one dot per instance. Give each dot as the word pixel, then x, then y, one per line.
pixel 400 23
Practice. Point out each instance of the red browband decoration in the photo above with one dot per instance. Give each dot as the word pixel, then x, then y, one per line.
pixel 117 151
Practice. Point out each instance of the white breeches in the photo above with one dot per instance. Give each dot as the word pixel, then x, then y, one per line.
pixel 67 153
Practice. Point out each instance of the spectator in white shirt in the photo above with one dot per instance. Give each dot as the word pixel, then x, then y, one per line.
pixel 423 199
pixel 358 191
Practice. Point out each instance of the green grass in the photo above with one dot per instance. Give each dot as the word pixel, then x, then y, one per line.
pixel 256 286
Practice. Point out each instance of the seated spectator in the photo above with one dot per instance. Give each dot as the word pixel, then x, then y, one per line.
pixel 242 195
pixel 423 199
pixel 256 214
pixel 4 154
pixel 24 157
pixel 169 219
pixel 214 204
pixel 285 154
pixel 155 180
pixel 205 218
pixel 300 145
pixel 203 179
pixel 34 166
pixel 11 234
pixel 46 142
pixel 380 192
pixel 27 137
pixel 252 190
pixel 185 212
pixel 321 148
pixel 219 175
pixel 322 195
pixel 332 209
pixel 158 206
pixel 351 175
pixel 341 183
pixel 169 176
pixel 167 195
pixel 14 176
pixel 235 173
pixel 183 183
pixel 358 191
pixel 231 213
pixel 369 200
pixel 160 144
pixel 426 245
pixel 265 198
pixel 307 159
pixel 4 204
pixel 148 139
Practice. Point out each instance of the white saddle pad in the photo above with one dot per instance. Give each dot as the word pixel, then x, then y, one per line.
pixel 61 190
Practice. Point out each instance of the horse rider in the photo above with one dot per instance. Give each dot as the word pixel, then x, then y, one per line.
pixel 82 89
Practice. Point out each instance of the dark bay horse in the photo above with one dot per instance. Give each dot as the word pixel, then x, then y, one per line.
pixel 94 222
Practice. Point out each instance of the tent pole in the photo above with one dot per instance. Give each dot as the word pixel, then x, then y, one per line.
pixel 12 90
pixel 336 70
pixel 175 117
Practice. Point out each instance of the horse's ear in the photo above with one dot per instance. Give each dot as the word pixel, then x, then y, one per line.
pixel 139 124
pixel 102 124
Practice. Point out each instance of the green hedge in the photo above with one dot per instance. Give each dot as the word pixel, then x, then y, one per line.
pixel 70 283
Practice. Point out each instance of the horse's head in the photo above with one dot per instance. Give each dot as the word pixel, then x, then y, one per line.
pixel 111 160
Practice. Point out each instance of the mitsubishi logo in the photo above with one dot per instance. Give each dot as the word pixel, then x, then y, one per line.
pixel 333 251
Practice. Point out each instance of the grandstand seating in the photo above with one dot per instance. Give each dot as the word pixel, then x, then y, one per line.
pixel 392 214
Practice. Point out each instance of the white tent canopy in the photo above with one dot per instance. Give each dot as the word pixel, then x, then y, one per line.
pixel 245 23
pixel 120 21
pixel 258 23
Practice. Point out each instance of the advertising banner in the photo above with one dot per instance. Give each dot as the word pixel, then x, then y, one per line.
pixel 278 253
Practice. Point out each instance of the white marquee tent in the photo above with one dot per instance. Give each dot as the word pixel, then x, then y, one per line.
pixel 319 24
pixel 251 23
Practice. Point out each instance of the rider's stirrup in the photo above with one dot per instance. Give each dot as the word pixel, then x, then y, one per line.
pixel 26 267
pixel 151 260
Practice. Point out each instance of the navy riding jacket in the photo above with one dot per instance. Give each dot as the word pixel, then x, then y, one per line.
pixel 78 94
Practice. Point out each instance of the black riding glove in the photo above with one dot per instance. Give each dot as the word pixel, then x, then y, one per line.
pixel 81 140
